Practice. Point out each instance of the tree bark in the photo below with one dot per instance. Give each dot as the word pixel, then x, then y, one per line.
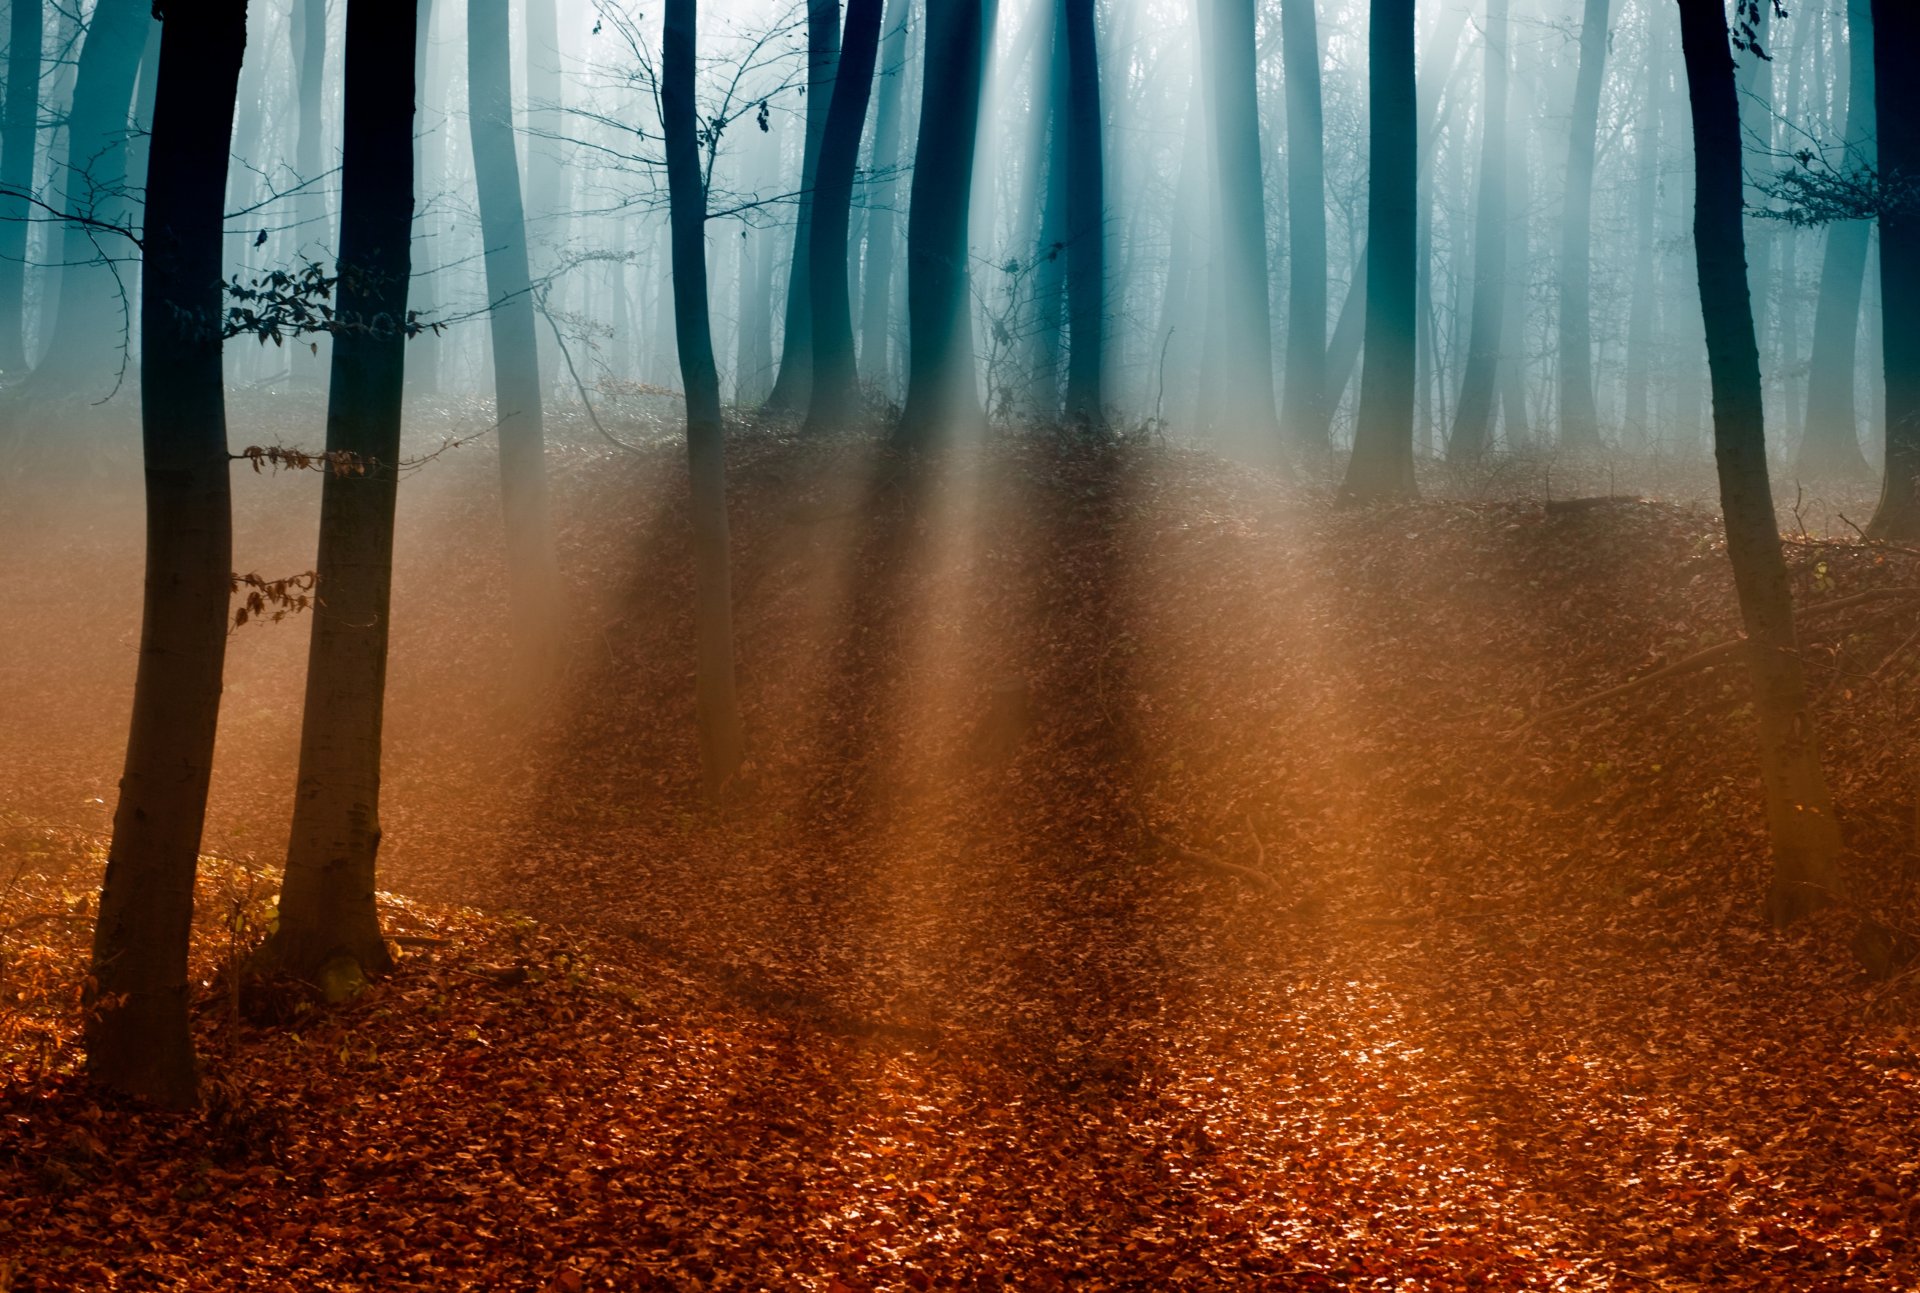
pixel 717 704
pixel 1806 839
pixel 1896 53
pixel 1646 203
pixel 1242 400
pixel 1087 225
pixel 1830 448
pixel 791 385
pixel 941 391
pixel 532 574
pixel 327 908
pixel 1579 416
pixel 136 1024
pixel 835 395
pixel 1473 416
pixel 19 132
pixel 1381 468
pixel 877 283
pixel 1304 411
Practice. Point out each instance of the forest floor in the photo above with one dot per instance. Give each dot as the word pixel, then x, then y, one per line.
pixel 1144 877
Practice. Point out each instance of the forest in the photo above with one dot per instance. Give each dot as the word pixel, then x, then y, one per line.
pixel 959 644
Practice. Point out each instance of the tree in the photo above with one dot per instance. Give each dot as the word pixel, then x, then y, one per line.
pixel 1381 468
pixel 1896 47
pixel 19 127
pixel 1473 416
pixel 717 704
pixel 1806 839
pixel 1831 446
pixel 532 574
pixel 90 309
pixel 329 923
pixel 835 393
pixel 877 283
pixel 790 386
pixel 941 394
pixel 1087 225
pixel 1240 322
pixel 1304 412
pixel 1579 417
pixel 136 1029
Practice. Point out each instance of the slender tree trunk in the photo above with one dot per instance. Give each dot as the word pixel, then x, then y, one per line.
pixel 532 575
pixel 312 233
pixel 790 386
pixel 1382 464
pixel 941 391
pixel 1516 425
pixel 1646 202
pixel 1806 839
pixel 1896 55
pixel 1579 418
pixel 93 315
pixel 19 137
pixel 429 174
pixel 1244 329
pixel 1473 416
pixel 877 283
pixel 1305 414
pixel 329 923
pixel 1754 84
pixel 719 711
pixel 1831 446
pixel 1087 224
pixel 835 396
pixel 137 1036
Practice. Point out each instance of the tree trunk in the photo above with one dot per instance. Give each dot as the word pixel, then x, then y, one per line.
pixel 429 174
pixel 531 569
pixel 19 130
pixel 92 315
pixel 941 391
pixel 1579 418
pixel 835 396
pixel 1896 53
pixel 1243 398
pixel 877 283
pixel 1381 467
pixel 312 235
pixel 1304 411
pixel 791 385
pixel 1646 202
pixel 137 1035
pixel 718 707
pixel 1087 225
pixel 327 909
pixel 1473 416
pixel 1806 839
pixel 1830 448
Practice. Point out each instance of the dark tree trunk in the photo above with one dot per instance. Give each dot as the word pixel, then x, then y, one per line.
pixel 1473 416
pixel 1896 55
pixel 327 911
pixel 531 572
pixel 941 394
pixel 835 396
pixel 1087 225
pixel 790 386
pixel 1304 412
pixel 92 314
pixel 1579 418
pixel 1243 399
pixel 718 707
pixel 1381 468
pixel 19 129
pixel 1806 839
pixel 877 284
pixel 137 1035
pixel 1831 446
